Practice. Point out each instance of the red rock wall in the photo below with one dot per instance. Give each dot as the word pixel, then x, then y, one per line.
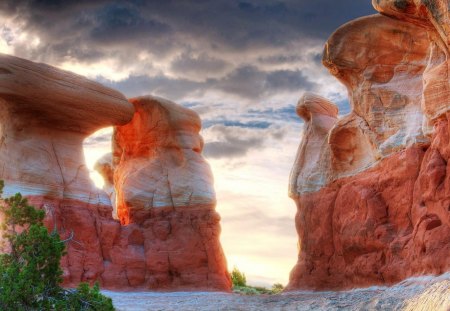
pixel 165 200
pixel 380 226
pixel 384 212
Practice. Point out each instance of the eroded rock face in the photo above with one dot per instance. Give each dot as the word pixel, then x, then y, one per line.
pixel 384 214
pixel 158 161
pixel 166 200
pixel 432 16
pixel 381 61
pixel 45 114
pixel 313 166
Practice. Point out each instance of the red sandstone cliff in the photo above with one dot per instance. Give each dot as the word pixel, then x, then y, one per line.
pixel 46 113
pixel 382 213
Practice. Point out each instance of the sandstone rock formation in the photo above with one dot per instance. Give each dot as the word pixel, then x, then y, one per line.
pixel 384 212
pixel 46 113
pixel 164 195
pixel 312 167
pixel 158 161
pixel 381 61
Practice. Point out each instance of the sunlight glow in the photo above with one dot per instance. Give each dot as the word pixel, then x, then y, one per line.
pixel 94 150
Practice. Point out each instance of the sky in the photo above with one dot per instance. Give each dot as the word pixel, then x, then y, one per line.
pixel 241 65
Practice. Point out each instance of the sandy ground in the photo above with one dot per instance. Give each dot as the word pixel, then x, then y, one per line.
pixel 415 294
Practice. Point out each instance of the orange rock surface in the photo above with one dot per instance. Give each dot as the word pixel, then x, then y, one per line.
pixel 384 213
pixel 158 163
pixel 165 198
pixel 45 115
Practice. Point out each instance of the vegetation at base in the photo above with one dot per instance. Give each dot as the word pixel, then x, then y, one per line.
pixel 238 278
pixel 240 286
pixel 30 273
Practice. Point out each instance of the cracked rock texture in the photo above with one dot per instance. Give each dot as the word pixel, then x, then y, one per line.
pixel 383 212
pixel 45 114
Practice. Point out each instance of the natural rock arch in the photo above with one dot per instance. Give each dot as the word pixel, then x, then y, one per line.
pixel 45 114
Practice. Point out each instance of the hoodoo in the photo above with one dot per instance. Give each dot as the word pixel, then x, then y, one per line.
pixel 381 212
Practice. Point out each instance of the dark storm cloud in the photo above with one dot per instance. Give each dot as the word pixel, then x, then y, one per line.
pixel 231 149
pixel 223 23
pixel 246 51
pixel 252 83
pixel 231 142
pixel 117 23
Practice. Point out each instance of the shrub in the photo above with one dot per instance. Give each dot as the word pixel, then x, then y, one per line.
pixel 277 288
pixel 240 285
pixel 238 278
pixel 30 273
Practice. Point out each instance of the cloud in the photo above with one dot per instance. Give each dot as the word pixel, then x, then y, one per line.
pixel 250 82
pixel 125 24
pixel 245 82
pixel 103 138
pixel 233 141
pixel 200 66
pixel 161 85
pixel 237 123
pixel 291 80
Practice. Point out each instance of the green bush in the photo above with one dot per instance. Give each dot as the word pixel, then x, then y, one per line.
pixel 277 288
pixel 240 285
pixel 238 278
pixel 30 273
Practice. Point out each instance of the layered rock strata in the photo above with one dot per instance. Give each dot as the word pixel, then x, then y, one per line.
pixel 164 192
pixel 158 162
pixel 46 114
pixel 383 213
